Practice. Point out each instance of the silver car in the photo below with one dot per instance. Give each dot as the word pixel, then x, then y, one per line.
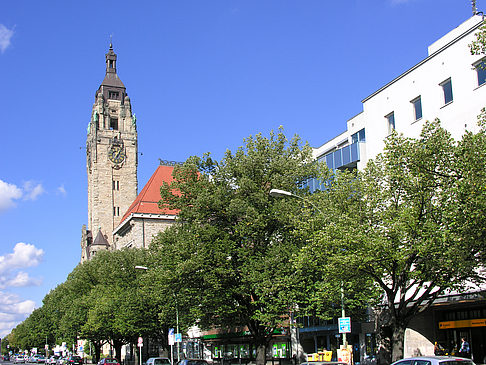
pixel 434 360
pixel 19 359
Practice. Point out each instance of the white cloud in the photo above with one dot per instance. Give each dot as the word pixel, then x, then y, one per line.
pixel 32 191
pixel 13 311
pixel 8 193
pixel 61 190
pixel 22 279
pixel 24 255
pixel 5 35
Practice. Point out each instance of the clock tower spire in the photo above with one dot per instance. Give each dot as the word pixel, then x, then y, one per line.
pixel 111 160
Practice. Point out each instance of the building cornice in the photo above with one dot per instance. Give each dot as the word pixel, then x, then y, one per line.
pixel 464 34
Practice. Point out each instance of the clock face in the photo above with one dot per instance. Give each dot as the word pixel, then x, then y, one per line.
pixel 116 154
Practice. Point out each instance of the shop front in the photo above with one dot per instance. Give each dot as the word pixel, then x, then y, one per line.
pixel 237 347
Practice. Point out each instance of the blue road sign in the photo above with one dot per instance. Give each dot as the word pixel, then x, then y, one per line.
pixel 344 324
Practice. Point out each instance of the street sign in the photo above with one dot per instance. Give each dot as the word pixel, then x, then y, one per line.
pixel 171 337
pixel 140 342
pixel 178 337
pixel 344 324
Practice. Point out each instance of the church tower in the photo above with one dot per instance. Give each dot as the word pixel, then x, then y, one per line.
pixel 111 161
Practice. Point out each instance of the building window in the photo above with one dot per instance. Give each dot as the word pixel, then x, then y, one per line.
pixel 116 211
pixel 358 136
pixel 113 95
pixel 417 107
pixel 390 118
pixel 481 71
pixel 447 89
pixel 114 123
pixel 116 185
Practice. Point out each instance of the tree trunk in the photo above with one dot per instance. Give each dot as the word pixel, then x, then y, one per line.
pixel 117 344
pixel 97 351
pixel 261 352
pixel 398 338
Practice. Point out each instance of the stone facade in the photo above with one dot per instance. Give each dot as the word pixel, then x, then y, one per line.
pixel 140 229
pixel 111 158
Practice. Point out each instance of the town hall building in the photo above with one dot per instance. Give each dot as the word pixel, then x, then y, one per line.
pixel 117 217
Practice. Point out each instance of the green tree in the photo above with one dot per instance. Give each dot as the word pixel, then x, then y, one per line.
pixel 393 224
pixel 100 301
pixel 232 245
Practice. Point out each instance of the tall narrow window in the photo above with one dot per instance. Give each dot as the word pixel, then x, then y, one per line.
pixel 390 118
pixel 447 90
pixel 481 71
pixel 114 123
pixel 417 108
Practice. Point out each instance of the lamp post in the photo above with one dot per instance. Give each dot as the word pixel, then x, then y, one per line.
pixel 278 193
pixel 140 343
pixel 177 313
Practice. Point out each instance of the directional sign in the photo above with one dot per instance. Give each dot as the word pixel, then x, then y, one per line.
pixel 344 324
pixel 178 337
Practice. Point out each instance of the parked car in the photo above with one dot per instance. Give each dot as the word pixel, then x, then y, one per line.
pixel 74 360
pixel 193 362
pixel 108 361
pixel 60 360
pixel 19 359
pixel 434 360
pixel 38 359
pixel 323 363
pixel 158 361
pixel 52 360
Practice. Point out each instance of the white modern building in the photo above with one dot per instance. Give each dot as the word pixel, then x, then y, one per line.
pixel 450 84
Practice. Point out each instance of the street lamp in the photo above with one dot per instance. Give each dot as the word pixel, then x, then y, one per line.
pixel 278 193
pixel 138 267
pixel 140 343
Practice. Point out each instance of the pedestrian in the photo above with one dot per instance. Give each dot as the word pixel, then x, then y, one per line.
pixel 465 350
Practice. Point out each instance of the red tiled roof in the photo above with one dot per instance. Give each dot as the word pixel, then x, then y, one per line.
pixel 147 200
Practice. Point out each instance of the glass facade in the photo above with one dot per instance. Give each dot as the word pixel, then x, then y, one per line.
pixel 342 158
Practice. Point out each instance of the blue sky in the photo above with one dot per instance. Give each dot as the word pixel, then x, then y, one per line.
pixel 201 74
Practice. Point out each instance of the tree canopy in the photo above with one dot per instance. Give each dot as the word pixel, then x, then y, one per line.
pixel 232 245
pixel 405 225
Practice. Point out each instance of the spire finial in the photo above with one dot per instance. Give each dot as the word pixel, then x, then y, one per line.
pixel 474 9
pixel 111 41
